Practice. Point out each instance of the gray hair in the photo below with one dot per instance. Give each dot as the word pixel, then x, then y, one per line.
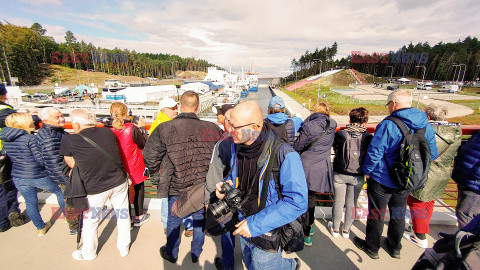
pixel 401 96
pixel 83 117
pixel 436 112
pixel 45 113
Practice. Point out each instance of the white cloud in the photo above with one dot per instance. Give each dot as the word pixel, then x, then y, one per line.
pixel 42 2
pixel 272 32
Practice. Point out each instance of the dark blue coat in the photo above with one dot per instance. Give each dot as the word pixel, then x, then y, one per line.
pixel 316 160
pixel 48 140
pixel 466 169
pixel 24 152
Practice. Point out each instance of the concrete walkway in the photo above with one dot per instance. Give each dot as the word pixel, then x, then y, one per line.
pixel 21 248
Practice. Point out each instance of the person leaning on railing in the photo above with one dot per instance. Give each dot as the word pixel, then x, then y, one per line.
pixel 466 173
pixel 448 137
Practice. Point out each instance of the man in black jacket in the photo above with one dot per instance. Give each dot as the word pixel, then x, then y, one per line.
pixel 188 142
pixel 9 210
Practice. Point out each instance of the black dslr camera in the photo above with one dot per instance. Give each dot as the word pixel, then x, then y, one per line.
pixel 231 202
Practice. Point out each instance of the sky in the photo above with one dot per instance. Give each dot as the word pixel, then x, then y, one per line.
pixel 261 34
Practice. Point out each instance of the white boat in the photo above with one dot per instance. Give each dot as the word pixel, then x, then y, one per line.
pixel 112 86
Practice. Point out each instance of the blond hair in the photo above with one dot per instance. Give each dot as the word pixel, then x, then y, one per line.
pixel 20 120
pixel 118 111
pixel 321 107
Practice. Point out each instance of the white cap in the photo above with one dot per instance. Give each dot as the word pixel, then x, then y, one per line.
pixel 167 103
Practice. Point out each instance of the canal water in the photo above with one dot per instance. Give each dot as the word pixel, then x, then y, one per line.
pixel 262 97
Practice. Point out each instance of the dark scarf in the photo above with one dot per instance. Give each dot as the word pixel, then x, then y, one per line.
pixel 247 167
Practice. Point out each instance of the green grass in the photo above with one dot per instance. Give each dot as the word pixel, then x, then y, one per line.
pixel 471 119
pixel 339 104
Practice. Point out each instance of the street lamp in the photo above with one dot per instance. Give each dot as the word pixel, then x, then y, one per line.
pixel 173 71
pixel 374 72
pixel 463 77
pixel 455 72
pixel 391 74
pixel 476 73
pixel 318 92
pixel 423 79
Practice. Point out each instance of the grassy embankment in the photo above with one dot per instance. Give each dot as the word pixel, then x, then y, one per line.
pixel 70 78
pixel 339 104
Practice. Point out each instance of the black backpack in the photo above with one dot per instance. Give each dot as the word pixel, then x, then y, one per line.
pixel 289 236
pixel 455 251
pixel 281 130
pixel 350 155
pixel 410 169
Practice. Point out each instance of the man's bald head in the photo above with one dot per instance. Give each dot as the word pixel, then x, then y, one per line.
pixel 246 122
pixel 247 112
pixel 189 102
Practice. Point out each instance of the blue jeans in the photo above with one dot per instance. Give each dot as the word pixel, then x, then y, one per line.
pixel 187 221
pixel 8 202
pixel 257 259
pixel 227 240
pixel 173 231
pixel 28 189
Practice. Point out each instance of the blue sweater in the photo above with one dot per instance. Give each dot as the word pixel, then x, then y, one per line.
pixel 386 141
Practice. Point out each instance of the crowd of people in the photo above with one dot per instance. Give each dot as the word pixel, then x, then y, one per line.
pixel 248 176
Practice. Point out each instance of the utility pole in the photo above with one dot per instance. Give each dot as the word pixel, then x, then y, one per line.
pixel 319 78
pixel 8 69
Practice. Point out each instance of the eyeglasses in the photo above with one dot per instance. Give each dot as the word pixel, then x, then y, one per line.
pixel 386 105
pixel 239 127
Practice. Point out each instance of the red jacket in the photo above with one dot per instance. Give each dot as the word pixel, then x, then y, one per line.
pixel 132 157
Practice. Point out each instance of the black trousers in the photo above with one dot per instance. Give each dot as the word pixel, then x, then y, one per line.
pixel 310 214
pixel 379 197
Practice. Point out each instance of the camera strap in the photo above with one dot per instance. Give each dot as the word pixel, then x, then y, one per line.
pixel 272 167
pixel 250 188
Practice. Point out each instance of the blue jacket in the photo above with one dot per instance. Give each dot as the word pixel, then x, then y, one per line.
pixel 293 186
pixel 280 118
pixel 48 140
pixel 466 169
pixel 24 152
pixel 386 141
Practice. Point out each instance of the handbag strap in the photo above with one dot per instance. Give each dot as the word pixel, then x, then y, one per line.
pixel 317 139
pixel 94 144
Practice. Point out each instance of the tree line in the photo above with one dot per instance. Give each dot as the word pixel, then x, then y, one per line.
pixel 24 50
pixel 443 62
pixel 309 63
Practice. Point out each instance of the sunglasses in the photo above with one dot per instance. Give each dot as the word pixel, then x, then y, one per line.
pixel 239 127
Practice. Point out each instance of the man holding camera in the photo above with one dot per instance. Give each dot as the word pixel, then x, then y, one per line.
pixel 188 142
pixel 263 209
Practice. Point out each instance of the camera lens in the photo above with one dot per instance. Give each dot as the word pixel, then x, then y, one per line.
pixel 219 209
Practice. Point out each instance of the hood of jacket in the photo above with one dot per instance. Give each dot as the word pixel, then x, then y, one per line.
pixel 9 134
pixel 316 117
pixel 448 132
pixel 277 118
pixel 412 117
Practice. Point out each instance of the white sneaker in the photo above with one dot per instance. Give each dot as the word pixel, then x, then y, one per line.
pixel 124 253
pixel 346 234
pixel 333 232
pixel 411 237
pixel 77 255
